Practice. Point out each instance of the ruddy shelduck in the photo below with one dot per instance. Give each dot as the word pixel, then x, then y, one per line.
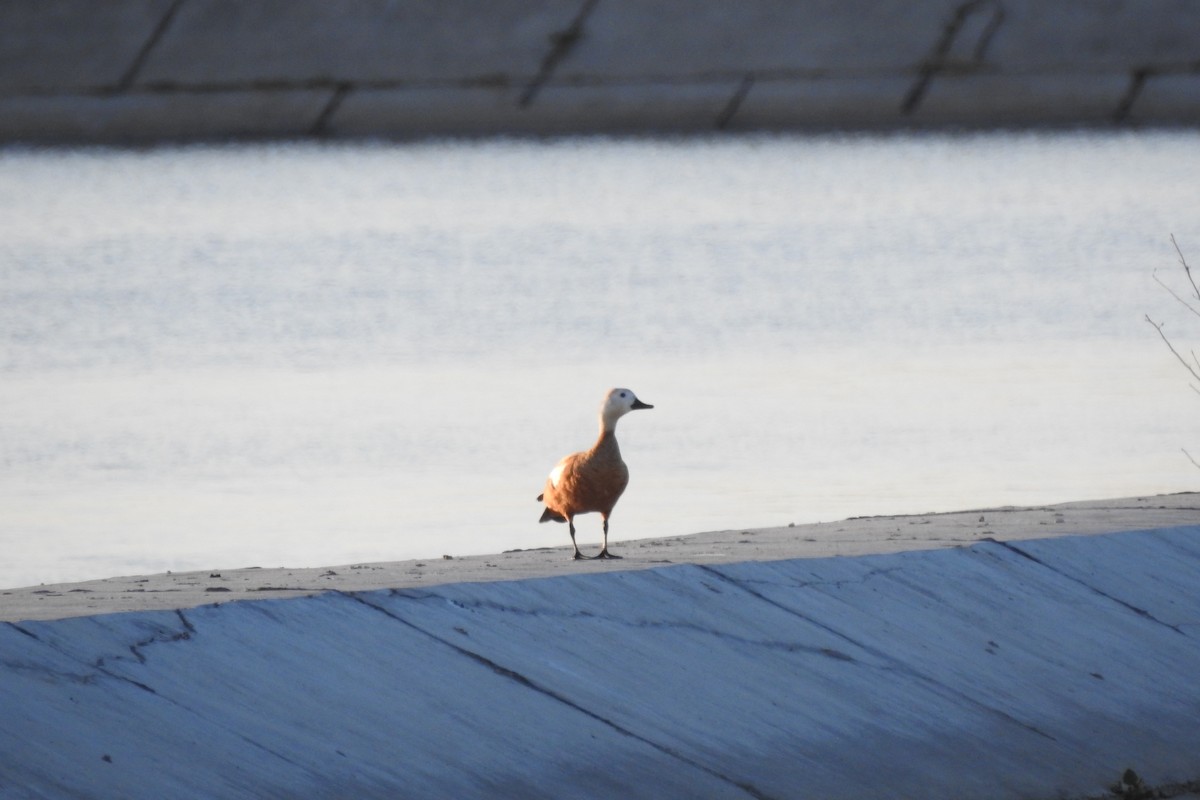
pixel 594 479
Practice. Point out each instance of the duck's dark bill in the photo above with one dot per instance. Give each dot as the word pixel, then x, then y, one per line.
pixel 639 404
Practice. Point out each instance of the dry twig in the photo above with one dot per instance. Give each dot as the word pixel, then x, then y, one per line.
pixel 1158 326
pixel 1193 367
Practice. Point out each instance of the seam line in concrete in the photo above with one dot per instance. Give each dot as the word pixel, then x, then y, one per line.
pixel 1141 612
pixel 703 78
pixel 156 35
pixel 527 683
pixel 936 61
pixel 561 45
pixel 735 102
pixel 19 629
pixel 891 660
pixel 1137 80
pixel 321 126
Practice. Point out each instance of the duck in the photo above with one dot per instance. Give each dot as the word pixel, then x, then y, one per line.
pixel 594 479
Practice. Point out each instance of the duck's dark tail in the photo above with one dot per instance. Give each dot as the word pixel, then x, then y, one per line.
pixel 548 515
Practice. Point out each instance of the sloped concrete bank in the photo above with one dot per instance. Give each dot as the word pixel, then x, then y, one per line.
pixel 120 70
pixel 1033 669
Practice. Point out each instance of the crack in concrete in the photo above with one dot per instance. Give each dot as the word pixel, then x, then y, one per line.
pixel 643 624
pixel 939 57
pixel 548 692
pixel 561 44
pixel 188 632
pixel 72 677
pixel 136 648
pixel 42 671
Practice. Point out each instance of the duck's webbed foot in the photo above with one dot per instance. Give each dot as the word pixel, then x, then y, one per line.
pixel 604 549
pixel 578 556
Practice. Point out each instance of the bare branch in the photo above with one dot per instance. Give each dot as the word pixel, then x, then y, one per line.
pixel 1186 268
pixel 1172 292
pixel 1158 327
pixel 1192 367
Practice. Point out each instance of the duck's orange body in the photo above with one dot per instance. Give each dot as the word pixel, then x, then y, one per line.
pixel 592 480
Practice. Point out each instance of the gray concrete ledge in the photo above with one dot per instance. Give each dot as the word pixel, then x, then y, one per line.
pixel 852 537
pixel 84 70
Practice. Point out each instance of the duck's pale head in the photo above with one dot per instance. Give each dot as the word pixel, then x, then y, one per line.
pixel 617 404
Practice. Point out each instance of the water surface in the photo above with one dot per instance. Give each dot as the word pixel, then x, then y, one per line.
pixel 306 354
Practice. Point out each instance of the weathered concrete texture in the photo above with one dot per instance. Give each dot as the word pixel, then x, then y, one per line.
pixel 151 115
pixel 990 100
pixel 1094 35
pixel 1166 98
pixel 417 68
pixel 1038 669
pixel 230 42
pixel 678 39
pixel 67 45
pixel 558 109
pixel 834 102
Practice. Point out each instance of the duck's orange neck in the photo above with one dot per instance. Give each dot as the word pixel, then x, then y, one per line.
pixel 608 424
pixel 607 441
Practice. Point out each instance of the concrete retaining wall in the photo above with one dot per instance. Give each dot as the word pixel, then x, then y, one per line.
pixel 96 70
pixel 1032 669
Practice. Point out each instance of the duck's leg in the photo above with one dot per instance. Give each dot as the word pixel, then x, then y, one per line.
pixel 571 524
pixel 604 550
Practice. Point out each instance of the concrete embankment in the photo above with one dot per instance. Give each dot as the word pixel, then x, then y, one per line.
pixel 1031 669
pixel 121 70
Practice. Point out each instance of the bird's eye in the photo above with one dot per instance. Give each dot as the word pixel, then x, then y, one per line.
pixel 622 394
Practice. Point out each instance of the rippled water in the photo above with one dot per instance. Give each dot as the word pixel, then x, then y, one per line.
pixel 311 354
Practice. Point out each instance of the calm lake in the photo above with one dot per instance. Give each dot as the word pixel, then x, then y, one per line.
pixel 320 354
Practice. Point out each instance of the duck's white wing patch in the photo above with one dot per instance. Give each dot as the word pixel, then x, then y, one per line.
pixel 556 473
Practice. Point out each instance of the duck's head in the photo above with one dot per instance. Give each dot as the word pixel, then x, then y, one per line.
pixel 617 404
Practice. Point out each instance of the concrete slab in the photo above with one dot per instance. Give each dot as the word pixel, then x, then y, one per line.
pixel 1087 36
pixel 674 38
pixel 65 45
pixel 823 103
pixel 646 108
pixel 983 100
pixel 618 66
pixel 223 42
pixel 417 112
pixel 1030 668
pixel 1168 99
pixel 151 116
pixel 219 705
pixel 1047 650
pixel 556 109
